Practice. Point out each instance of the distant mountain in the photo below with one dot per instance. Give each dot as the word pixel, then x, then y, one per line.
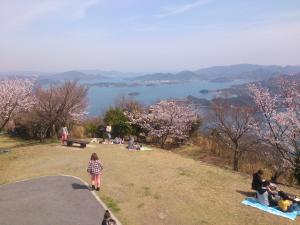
pixel 249 72
pixel 70 75
pixel 111 73
pixel 183 75
pixel 75 75
pixel 155 76
pixel 20 74
pixel 225 73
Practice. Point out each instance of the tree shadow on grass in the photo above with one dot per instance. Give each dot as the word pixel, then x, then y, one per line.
pixel 79 186
pixel 246 193
pixel 28 144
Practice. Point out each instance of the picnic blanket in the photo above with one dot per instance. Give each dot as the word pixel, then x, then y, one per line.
pixel 144 148
pixel 273 210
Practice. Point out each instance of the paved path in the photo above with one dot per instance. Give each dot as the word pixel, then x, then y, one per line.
pixel 57 200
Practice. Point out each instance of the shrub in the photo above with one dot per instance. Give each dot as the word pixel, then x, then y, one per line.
pixel 78 132
pixel 120 123
pixel 94 127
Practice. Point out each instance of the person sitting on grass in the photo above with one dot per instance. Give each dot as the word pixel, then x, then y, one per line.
pixel 107 220
pixel 132 146
pixel 257 180
pixel 264 196
pixel 95 168
pixel 286 204
pixel 118 140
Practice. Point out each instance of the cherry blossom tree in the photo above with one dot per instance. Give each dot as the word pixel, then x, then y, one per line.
pixel 290 118
pixel 165 119
pixel 279 121
pixel 16 96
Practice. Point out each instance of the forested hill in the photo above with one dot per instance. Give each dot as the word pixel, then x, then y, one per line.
pixel 240 71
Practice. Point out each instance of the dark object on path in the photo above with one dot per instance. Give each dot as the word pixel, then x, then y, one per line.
pixel 82 143
pixel 77 186
pixel 107 220
pixel 4 150
pixel 257 180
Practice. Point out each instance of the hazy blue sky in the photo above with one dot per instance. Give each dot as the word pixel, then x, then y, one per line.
pixel 147 35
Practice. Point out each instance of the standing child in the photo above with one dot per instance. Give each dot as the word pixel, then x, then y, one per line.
pixel 95 168
pixel 108 131
pixel 64 135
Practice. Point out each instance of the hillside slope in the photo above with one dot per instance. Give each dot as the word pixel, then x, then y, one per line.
pixel 144 188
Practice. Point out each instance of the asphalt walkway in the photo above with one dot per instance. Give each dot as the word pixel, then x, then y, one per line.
pixel 53 200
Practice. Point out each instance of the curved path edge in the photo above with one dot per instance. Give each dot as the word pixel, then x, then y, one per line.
pixel 78 178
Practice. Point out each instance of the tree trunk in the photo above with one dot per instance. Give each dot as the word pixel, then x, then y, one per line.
pixel 236 158
pixel 236 162
pixel 163 141
pixel 276 175
pixel 43 134
pixel 4 123
pixel 53 132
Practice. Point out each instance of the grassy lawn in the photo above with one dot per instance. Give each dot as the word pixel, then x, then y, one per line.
pixel 144 188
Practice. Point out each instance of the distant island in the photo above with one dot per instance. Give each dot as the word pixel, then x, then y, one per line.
pixel 133 93
pixel 221 80
pixel 204 91
pixel 218 74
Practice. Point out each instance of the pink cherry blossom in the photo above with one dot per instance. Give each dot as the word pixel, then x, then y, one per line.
pixel 279 125
pixel 16 96
pixel 165 119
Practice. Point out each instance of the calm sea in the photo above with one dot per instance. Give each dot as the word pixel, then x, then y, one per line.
pixel 101 98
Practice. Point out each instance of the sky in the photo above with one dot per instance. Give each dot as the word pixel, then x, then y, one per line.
pixel 147 35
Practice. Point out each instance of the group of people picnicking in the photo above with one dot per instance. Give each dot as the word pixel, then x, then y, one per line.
pixel 107 139
pixel 268 194
pixel 118 140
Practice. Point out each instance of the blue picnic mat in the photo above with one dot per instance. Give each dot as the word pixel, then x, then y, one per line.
pixel 254 203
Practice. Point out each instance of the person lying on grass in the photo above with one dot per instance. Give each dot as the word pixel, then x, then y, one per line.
pixel 286 204
pixel 95 168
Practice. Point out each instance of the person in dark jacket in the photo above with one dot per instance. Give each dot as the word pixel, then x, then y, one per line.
pixel 257 180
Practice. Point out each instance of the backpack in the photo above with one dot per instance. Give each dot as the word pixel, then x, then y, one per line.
pixel 109 221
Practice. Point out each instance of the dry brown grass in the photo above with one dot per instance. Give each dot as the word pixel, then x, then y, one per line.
pixel 208 149
pixel 78 132
pixel 149 187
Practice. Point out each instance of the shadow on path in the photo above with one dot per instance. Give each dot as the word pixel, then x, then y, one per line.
pixel 77 186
